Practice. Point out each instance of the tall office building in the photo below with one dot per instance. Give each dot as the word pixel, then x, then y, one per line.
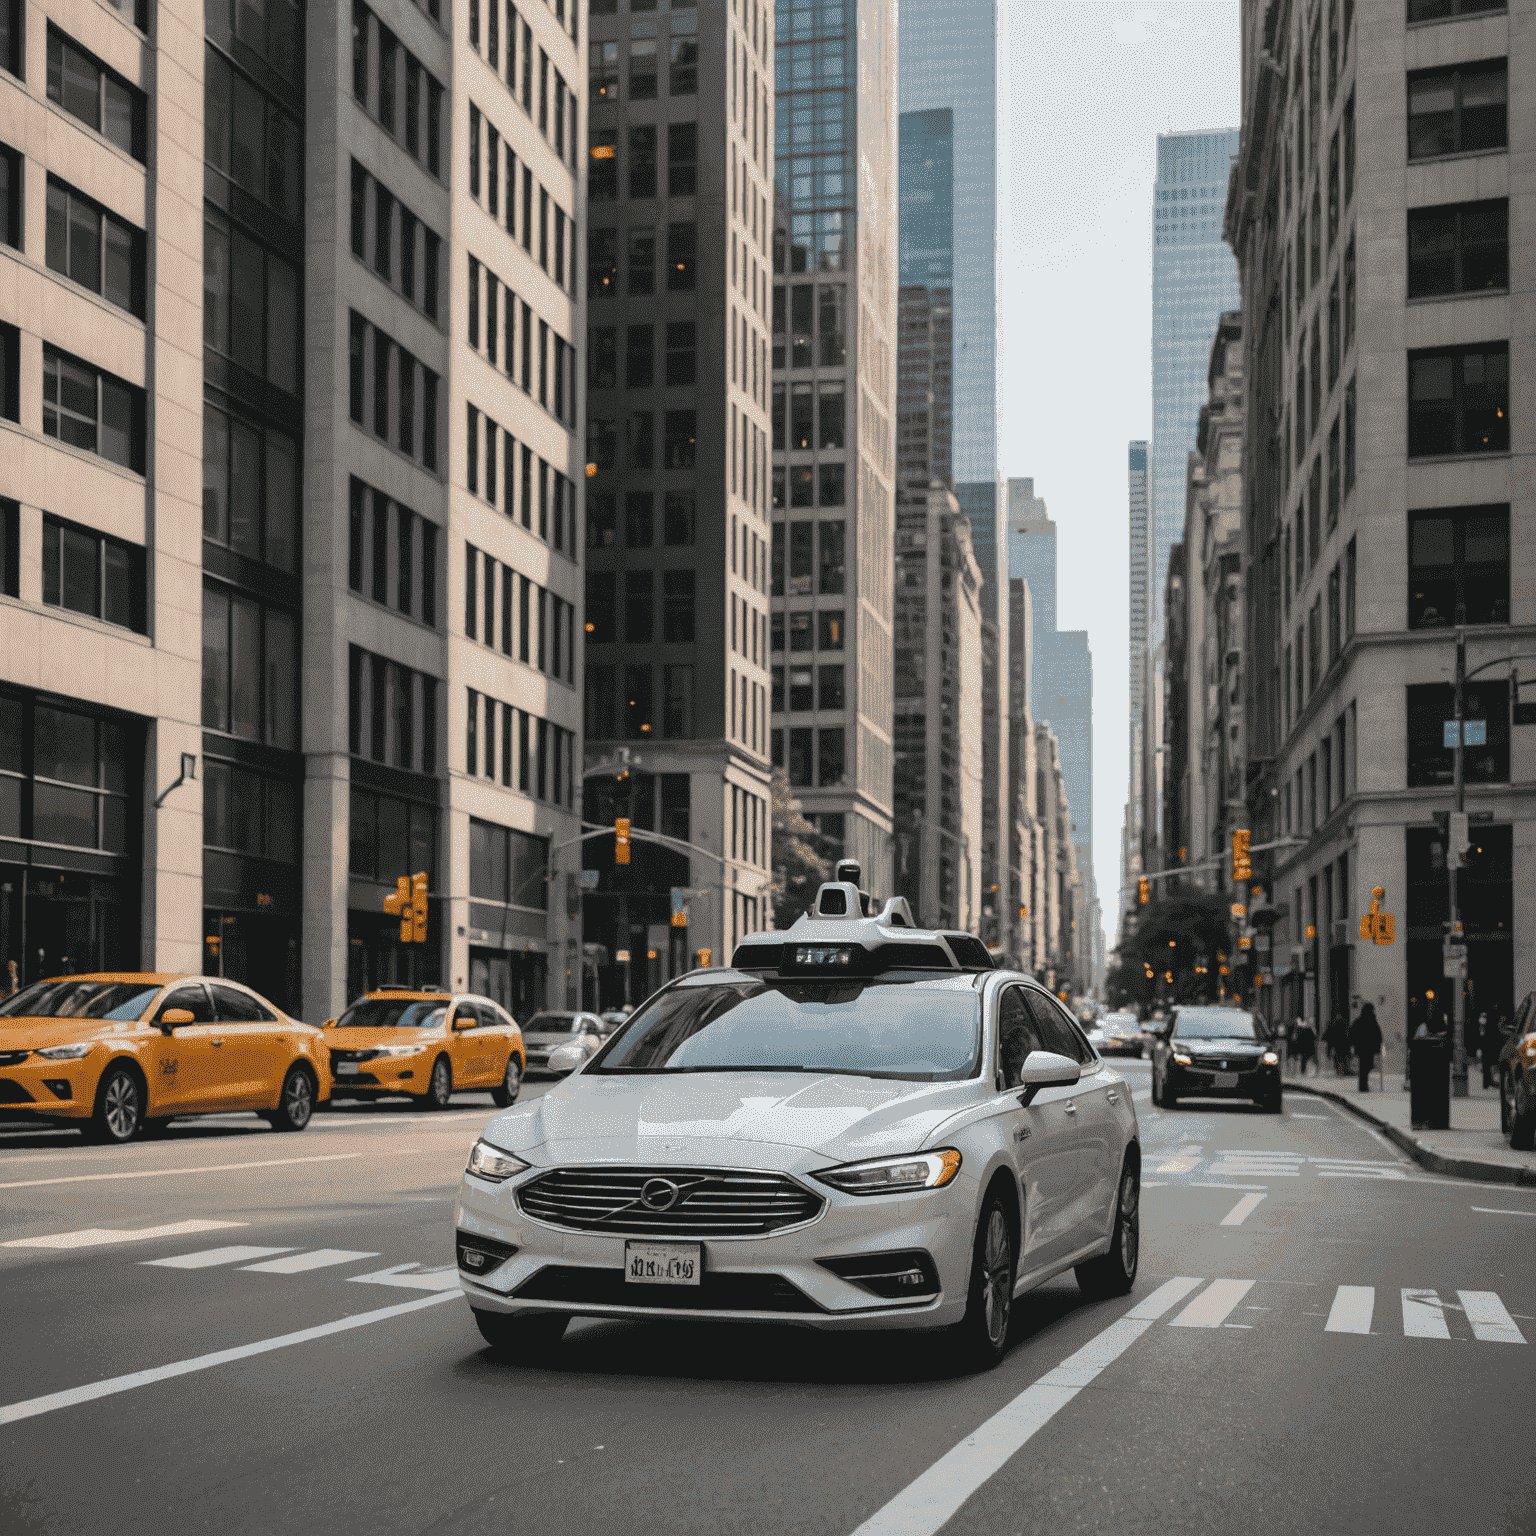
pixel 679 238
pixel 1194 278
pixel 1139 533
pixel 834 410
pixel 373 391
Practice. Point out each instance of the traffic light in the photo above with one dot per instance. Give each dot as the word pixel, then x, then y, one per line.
pixel 1242 865
pixel 399 905
pixel 418 908
pixel 621 840
pixel 1143 890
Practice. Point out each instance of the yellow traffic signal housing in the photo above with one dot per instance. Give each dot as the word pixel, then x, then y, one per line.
pixel 1383 933
pixel 399 905
pixel 419 907
pixel 621 840
pixel 1143 890
pixel 1242 864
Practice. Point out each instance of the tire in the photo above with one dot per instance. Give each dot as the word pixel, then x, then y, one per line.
pixel 296 1103
pixel 119 1114
pixel 511 1084
pixel 1522 1126
pixel 521 1340
pixel 1157 1091
pixel 1170 1100
pixel 1504 1114
pixel 1271 1106
pixel 439 1087
pixel 980 1339
pixel 1114 1273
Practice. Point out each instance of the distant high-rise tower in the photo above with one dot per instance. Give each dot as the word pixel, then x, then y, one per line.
pixel 1140 519
pixel 1194 278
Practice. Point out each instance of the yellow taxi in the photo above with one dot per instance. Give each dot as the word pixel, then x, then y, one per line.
pixel 426 1044
pixel 126 1051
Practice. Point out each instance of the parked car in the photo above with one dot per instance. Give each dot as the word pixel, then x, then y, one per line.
pixel 1517 1078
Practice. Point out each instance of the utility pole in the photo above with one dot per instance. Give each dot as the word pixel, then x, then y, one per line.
pixel 1452 864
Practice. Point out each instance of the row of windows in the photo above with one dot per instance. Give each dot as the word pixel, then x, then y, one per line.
pixel 1310 508
pixel 1458 566
pixel 814 314
pixel 824 627
pixel 622 702
pixel 93 247
pixel 828 573
pixel 252 309
pixel 391 554
pixel 643 179
pixel 749 460
pixel 549 496
pixel 250 669
pixel 644 69
pixel 817 757
pixel 404 392
pixel 535 756
pixel 402 250
pixel 809 485
pixel 555 108
pixel 250 813
pixel 1458 110
pixel 751 562
pixel 679 440
pixel 499 603
pixel 748 630
pixel 507 865
pixel 250 489
pixel 1321 642
pixel 391 713
pixel 272 29
pixel 521 348
pixel 677 519
pixel 1323 782
pixel 749 827
pixel 556 228
pixel 1341 335
pixel 641 253
pixel 250 140
pixel 807 416
pixel 99 97
pixel 679 357
pixel 809 688
pixel 638 607
pixel 379 67
pixel 389 837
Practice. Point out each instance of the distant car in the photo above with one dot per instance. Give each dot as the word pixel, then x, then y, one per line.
pixel 1517 1079
pixel 551 1029
pixel 1119 1035
pixel 1209 1052
pixel 613 1017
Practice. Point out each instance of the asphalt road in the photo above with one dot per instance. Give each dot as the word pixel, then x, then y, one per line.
pixel 1267 1375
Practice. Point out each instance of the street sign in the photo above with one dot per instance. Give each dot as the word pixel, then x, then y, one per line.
pixel 1474 733
pixel 1453 961
pixel 591 878
pixel 622 956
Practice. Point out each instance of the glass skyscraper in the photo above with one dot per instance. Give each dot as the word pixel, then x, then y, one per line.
pixel 1194 278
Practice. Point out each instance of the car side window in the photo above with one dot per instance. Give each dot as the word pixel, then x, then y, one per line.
pixel 1056 1030
pixel 1016 1033
pixel 193 998
pixel 234 1007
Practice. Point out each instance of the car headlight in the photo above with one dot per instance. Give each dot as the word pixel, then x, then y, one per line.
pixel 1271 1058
pixel 488 1162
pixel 1183 1061
pixel 894 1175
pixel 67 1052
pixel 397 1050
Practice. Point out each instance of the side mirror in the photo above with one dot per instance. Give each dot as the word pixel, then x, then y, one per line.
pixel 1046 1069
pixel 174 1016
pixel 329 1024
pixel 564 1059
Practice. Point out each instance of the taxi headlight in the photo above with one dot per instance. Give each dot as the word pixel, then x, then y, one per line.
pixel 488 1162
pixel 1183 1061
pixel 67 1052
pixel 1271 1058
pixel 894 1175
pixel 398 1050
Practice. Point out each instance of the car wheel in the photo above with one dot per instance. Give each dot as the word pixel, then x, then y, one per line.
pixel 1270 1106
pixel 1157 1091
pixel 1170 1098
pixel 1522 1126
pixel 439 1088
pixel 119 1106
pixel 521 1340
pixel 981 1337
pixel 511 1084
pixel 296 1104
pixel 1114 1273
pixel 1504 1115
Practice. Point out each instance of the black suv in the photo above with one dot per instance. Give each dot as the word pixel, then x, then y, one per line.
pixel 1214 1052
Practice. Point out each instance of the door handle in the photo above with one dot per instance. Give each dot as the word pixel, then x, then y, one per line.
pixel 1070 1107
pixel 1112 1096
pixel 218 1042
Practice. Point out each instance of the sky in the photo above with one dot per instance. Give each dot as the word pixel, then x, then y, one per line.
pixel 1093 83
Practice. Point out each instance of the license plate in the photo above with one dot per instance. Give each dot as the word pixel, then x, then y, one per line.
pixel 1226 1079
pixel 663 1263
pixel 346 1069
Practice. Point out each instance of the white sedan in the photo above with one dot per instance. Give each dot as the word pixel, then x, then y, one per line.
pixel 846 1129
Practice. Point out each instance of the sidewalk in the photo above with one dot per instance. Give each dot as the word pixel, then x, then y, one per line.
pixel 1473 1148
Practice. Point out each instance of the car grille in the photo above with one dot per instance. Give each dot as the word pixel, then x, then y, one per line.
pixel 14 1093
pixel 1225 1063
pixel 339 1056
pixel 709 1203
pixel 714 1292
pixel 13 1058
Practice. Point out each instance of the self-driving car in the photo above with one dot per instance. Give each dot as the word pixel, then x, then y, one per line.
pixel 848 1128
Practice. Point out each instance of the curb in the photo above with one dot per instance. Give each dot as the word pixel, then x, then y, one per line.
pixel 1427 1157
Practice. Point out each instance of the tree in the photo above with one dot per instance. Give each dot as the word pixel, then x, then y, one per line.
pixel 801 857
pixel 1182 935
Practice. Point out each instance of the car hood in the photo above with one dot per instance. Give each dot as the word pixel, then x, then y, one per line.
pixel 32 1034
pixel 706 1116
pixel 360 1037
pixel 1223 1047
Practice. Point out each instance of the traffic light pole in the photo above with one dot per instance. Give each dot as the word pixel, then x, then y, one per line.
pixel 1452 863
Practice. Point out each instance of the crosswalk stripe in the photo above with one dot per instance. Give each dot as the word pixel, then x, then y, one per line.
pixel 1352 1308
pixel 98 1237
pixel 1490 1319
pixel 1241 1211
pixel 1423 1316
pixel 1211 1307
pixel 319 1258
pixel 211 1256
pixel 1168 1295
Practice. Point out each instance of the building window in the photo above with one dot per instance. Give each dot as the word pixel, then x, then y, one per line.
pixel 389 837
pixel 1458 560
pixel 250 489
pixel 508 866
pixel 639 607
pixel 682 159
pixel 601 624
pixel 89 572
pixel 678 519
pixel 682 244
pixel 642 70
pixel 677 607
pixel 830 687
pixel 250 669
pixel 830 630
pixel 1430 705
pixel 677 720
pixel 603 167
pixel 251 308
pixel 833 565
pixel 1462 248
pixel 250 139
pixel 100 98
pixel 829 764
pixel 680 440
pixel 681 355
pixel 95 248
pixel 1437 10
pixel 602 72
pixel 683 77
pixel 637 702
pixel 91 409
pixel 1456 111
pixel 800 757
pixel 253 814
pixel 1458 400
pixel 80 777
pixel 642 162
pixel 12 37
pixel 639 519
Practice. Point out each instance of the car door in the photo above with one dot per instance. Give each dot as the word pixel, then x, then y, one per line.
pixel 470 1046
pixel 253 1053
pixel 1090 1114
pixel 188 1067
pixel 1041 1134
pixel 508 1038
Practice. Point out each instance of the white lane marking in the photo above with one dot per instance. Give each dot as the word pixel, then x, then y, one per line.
pixel 1256 1170
pixel 930 1500
pixel 1296 1116
pixel 1161 1184
pixel 1423 1315
pixel 1490 1318
pixel 211 1256
pixel 1241 1211
pixel 319 1258
pixel 99 1237
pixel 1494 1210
pixel 409 1278
pixel 170 1173
pixel 1362 1173
pixel 12 1413
pixel 1178 1165
pixel 1210 1308
pixel 1192 1149
pixel 1193 1185
pixel 1167 1296
pixel 1352 1309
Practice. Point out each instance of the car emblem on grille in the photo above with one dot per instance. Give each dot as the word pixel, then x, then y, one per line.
pixel 659 1194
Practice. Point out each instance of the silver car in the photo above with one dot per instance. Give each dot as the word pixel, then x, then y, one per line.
pixel 846 1129
pixel 551 1029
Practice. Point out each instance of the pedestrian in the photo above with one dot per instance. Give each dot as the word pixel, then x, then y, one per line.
pixel 1492 1043
pixel 1306 1046
pixel 1336 1039
pixel 1365 1037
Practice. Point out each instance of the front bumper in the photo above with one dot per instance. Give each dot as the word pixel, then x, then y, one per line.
pixel 772 1278
pixel 1259 1084
pixel 50 1089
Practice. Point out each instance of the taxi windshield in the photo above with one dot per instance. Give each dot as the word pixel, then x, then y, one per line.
pixel 119 1001
pixel 1216 1024
pixel 925 1032
pixel 393 1013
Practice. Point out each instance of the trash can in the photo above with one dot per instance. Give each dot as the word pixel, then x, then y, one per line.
pixel 1429 1084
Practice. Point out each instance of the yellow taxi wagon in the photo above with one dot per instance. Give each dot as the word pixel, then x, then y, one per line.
pixel 425 1044
pixel 122 1052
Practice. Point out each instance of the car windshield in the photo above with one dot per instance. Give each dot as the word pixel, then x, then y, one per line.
pixel 119 1001
pixel 923 1032
pixel 1216 1024
pixel 556 1024
pixel 392 1013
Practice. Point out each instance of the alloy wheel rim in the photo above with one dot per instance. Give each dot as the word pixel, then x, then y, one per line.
pixel 997 1277
pixel 440 1085
pixel 122 1106
pixel 1130 1223
pixel 514 1076
pixel 299 1103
